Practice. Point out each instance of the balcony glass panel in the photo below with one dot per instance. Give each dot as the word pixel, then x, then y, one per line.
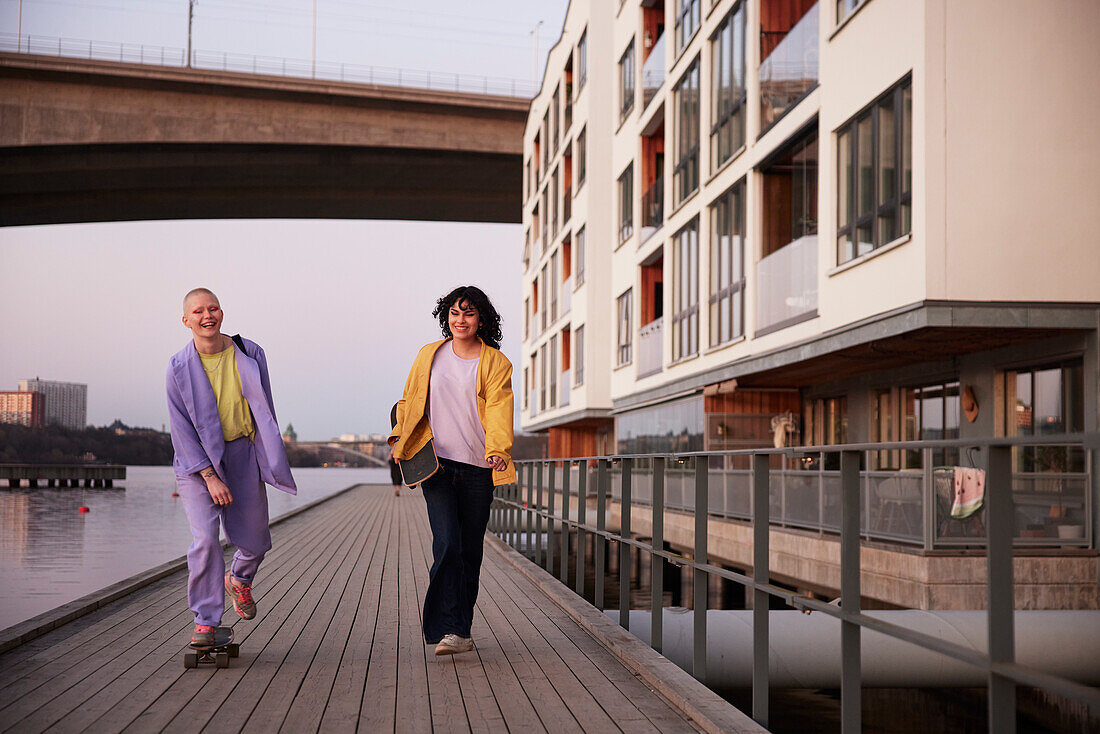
pixel 566 388
pixel 650 348
pixel 790 71
pixel 786 283
pixel 653 209
pixel 566 298
pixel 653 71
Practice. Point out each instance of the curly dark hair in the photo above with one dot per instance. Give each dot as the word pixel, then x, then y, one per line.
pixel 488 328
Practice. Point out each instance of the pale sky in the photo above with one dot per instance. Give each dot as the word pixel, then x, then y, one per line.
pixel 339 306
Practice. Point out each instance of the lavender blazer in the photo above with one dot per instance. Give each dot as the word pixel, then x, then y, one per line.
pixel 197 430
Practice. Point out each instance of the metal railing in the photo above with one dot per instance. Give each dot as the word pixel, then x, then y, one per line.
pixel 267 65
pixel 525 515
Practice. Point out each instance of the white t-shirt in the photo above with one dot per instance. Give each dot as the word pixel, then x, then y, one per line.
pixel 452 408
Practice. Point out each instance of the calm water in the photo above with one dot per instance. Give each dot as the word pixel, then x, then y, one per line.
pixel 50 554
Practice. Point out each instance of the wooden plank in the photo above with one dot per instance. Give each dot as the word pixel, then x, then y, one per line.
pixel 417 707
pixel 273 706
pixel 234 694
pixel 627 700
pixel 115 688
pixel 174 689
pixel 379 703
pixel 314 696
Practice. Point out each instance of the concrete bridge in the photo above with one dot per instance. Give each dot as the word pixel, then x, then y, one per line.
pixel 345 447
pixel 90 140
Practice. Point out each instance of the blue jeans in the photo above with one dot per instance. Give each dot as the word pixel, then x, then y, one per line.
pixel 458 497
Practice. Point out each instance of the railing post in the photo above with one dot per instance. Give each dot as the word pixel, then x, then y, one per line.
pixel 850 670
pixel 603 481
pixel 550 512
pixel 699 576
pixel 582 510
pixel 624 549
pixel 537 487
pixel 929 495
pixel 1001 602
pixel 530 502
pixel 563 568
pixel 761 508
pixel 656 562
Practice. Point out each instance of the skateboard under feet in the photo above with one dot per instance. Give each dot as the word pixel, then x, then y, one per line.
pixel 216 654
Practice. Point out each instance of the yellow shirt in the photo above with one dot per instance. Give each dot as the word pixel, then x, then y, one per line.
pixel 233 410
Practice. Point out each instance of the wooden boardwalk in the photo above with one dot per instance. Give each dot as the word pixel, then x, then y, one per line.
pixel 337 647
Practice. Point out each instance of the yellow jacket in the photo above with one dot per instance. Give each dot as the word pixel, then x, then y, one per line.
pixel 494 408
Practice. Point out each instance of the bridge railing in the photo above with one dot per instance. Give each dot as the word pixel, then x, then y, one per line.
pixel 267 65
pixel 525 516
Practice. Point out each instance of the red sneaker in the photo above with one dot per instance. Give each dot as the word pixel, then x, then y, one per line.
pixel 203 635
pixel 242 597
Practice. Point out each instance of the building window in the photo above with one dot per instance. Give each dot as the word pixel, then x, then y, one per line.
pixel 546 135
pixel 875 174
pixel 555 281
pixel 545 222
pixel 844 8
pixel 727 266
pixel 554 371
pixel 582 60
pixel 582 157
pixel 727 132
pixel 1041 401
pixel 542 378
pixel 526 388
pixel 526 318
pixel 687 22
pixel 931 413
pixel 554 212
pixel 685 178
pixel 544 283
pixel 626 82
pixel 673 427
pixel 626 204
pixel 788 56
pixel 578 257
pixel 625 329
pixel 685 291
pixel 826 424
pixel 578 356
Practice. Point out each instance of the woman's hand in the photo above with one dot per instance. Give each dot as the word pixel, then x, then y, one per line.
pixel 497 463
pixel 217 489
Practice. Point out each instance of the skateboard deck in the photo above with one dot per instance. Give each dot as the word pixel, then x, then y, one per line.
pixel 216 654
pixel 423 463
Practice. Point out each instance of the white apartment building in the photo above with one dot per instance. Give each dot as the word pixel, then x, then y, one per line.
pixel 66 402
pixel 851 220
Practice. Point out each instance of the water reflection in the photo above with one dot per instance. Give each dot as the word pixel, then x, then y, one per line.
pixel 50 554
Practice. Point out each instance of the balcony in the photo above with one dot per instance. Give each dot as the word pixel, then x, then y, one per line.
pixel 651 348
pixel 786 286
pixel 653 72
pixel 566 389
pixel 653 209
pixel 790 71
pixel 534 402
pixel 566 298
pixel 567 206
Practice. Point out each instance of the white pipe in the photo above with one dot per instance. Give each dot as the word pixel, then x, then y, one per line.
pixel 805 648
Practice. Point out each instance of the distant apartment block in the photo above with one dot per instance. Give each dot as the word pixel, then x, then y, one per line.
pixel 22 408
pixel 819 223
pixel 66 402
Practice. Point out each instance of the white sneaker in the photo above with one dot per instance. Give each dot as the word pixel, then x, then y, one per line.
pixel 451 644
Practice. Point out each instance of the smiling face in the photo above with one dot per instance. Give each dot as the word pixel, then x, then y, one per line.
pixel 463 320
pixel 202 314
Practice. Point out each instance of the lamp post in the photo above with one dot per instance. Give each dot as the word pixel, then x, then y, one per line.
pixel 190 22
pixel 535 34
pixel 313 52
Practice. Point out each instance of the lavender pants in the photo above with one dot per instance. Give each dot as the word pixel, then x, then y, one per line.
pixel 245 522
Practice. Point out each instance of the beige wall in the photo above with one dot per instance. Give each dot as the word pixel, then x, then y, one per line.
pixel 1021 151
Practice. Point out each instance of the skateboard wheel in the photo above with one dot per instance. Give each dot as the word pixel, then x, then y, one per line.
pixel 234 650
pixel 221 660
pixel 190 660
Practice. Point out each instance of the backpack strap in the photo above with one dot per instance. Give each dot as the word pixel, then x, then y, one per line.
pixel 239 342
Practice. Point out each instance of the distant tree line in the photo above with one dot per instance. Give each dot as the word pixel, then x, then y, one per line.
pixel 113 444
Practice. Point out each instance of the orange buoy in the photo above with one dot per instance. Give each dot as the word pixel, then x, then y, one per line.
pixel 83 509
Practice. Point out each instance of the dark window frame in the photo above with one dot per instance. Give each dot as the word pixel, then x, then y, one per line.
pixel 685 291
pixel 624 319
pixel 626 203
pixel 582 62
pixel 578 257
pixel 582 156
pixel 685 172
pixel 690 10
pixel 901 200
pixel 723 116
pixel 627 74
pixel 724 297
pixel 578 356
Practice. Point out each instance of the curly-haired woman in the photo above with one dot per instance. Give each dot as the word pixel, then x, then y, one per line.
pixel 459 394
